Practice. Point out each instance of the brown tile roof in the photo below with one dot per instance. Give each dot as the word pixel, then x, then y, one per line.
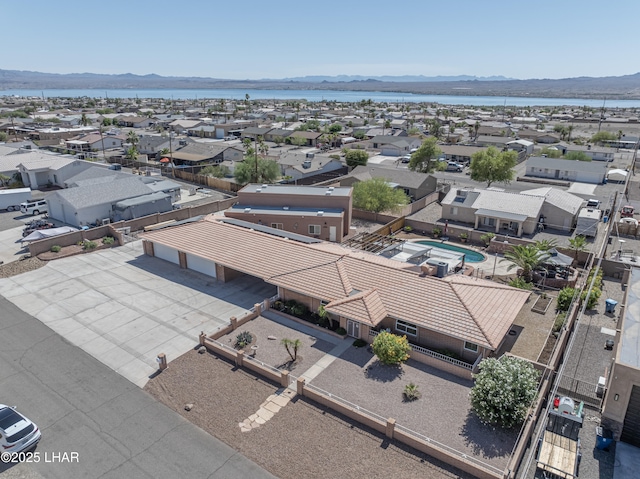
pixel 365 307
pixel 475 310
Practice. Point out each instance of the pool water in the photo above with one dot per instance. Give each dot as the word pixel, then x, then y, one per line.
pixel 470 255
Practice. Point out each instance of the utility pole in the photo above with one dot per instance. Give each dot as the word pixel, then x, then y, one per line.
pixel 255 144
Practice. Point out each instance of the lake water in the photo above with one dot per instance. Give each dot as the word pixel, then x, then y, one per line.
pixel 320 95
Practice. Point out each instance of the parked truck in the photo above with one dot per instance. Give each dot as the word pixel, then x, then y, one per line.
pixel 588 220
pixel 559 447
pixel 10 199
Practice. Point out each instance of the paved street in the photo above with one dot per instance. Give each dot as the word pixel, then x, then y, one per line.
pixel 124 308
pixel 82 406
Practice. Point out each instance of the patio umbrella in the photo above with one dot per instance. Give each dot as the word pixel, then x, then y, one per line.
pixel 446 225
pixel 165 160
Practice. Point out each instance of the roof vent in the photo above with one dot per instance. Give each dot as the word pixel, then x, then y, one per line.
pixel 258 190
pixel 286 208
pixel 327 193
pixel 320 213
pixel 247 210
pixel 264 186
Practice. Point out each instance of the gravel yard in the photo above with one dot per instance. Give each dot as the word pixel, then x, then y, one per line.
pixel 302 440
pixel 442 413
pixel 21 266
pixel 272 352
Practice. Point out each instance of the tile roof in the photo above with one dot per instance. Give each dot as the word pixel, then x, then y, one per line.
pixel 360 285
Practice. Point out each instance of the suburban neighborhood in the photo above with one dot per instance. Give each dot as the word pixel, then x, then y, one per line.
pixel 439 290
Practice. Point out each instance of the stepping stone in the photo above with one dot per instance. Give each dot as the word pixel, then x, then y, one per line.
pixel 281 401
pixel 259 420
pixel 253 417
pixel 264 414
pixel 274 408
pixel 245 429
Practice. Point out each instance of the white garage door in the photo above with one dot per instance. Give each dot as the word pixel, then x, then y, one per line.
pixel 201 265
pixel 166 253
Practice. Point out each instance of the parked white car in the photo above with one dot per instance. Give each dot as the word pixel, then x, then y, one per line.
pixel 34 207
pixel 17 433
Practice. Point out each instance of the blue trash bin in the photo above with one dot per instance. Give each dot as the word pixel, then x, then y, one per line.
pixel 610 305
pixel 604 438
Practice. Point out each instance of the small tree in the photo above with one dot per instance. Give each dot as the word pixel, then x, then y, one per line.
pixel 377 195
pixel 425 159
pixel 487 237
pixel 292 346
pixel 493 166
pixel 391 348
pixel 577 156
pixel 503 391
pixel 565 297
pixel 356 158
pixel 267 171
pixel 298 141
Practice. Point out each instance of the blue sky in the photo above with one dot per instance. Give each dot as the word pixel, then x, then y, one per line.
pixel 288 38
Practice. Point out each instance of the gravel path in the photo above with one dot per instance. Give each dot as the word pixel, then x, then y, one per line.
pixel 302 440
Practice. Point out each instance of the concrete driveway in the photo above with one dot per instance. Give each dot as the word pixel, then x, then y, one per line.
pixel 124 308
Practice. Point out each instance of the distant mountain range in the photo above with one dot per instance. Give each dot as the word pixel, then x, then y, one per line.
pixel 389 78
pixel 621 87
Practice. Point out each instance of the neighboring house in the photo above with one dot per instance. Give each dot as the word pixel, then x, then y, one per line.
pixel 135 121
pixel 569 170
pixel 394 145
pixel 94 142
pixel 621 385
pixel 363 292
pixel 274 133
pixel 39 170
pixel 254 132
pixel 521 146
pixel 319 212
pixel 560 209
pixel 459 153
pixel 538 136
pixel 224 130
pixel 415 185
pixel 493 210
pixel 493 131
pixel 310 136
pixel 151 145
pixel 625 141
pixel 596 154
pixel 499 142
pixel 93 201
pixel 198 155
pixel 202 131
pixel 181 126
pixel 59 133
pixel 304 165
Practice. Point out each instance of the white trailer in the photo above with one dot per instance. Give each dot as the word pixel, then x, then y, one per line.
pixel 10 199
pixel 588 220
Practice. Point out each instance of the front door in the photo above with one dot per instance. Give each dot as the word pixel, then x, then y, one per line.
pixel 332 233
pixel 353 329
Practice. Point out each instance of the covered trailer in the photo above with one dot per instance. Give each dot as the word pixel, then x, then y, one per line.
pixel 588 220
pixel 11 198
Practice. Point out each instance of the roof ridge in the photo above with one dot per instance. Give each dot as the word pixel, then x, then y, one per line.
pixel 344 276
pixel 372 295
pixel 471 315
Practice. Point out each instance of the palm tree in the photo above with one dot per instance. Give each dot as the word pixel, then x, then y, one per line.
pixel 101 130
pixel 577 244
pixel 292 346
pixel 133 138
pixel 546 245
pixel 84 121
pixel 324 315
pixel 526 257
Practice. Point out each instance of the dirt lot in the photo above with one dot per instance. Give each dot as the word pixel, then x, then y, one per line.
pixel 302 440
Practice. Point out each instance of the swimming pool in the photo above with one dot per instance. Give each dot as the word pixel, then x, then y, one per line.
pixel 470 255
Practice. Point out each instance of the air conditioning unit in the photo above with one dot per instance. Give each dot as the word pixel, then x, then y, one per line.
pixel 106 221
pixel 462 193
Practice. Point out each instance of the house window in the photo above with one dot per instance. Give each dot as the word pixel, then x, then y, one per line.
pixel 314 229
pixel 406 328
pixel 470 346
pixel 277 226
pixel 488 221
pixel 454 210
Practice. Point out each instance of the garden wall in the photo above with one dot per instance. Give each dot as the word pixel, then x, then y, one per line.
pixel 68 239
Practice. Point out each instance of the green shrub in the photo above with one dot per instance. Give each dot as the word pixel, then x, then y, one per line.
pixel 520 283
pixel 487 237
pixel 592 299
pixel 411 392
pixel 436 232
pixel 503 391
pixel 565 296
pixel 89 245
pixel 391 348
pixel 341 331
pixel 359 343
pixel 56 248
pixel 559 322
pixel 243 339
pixel 108 240
pixel 335 157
